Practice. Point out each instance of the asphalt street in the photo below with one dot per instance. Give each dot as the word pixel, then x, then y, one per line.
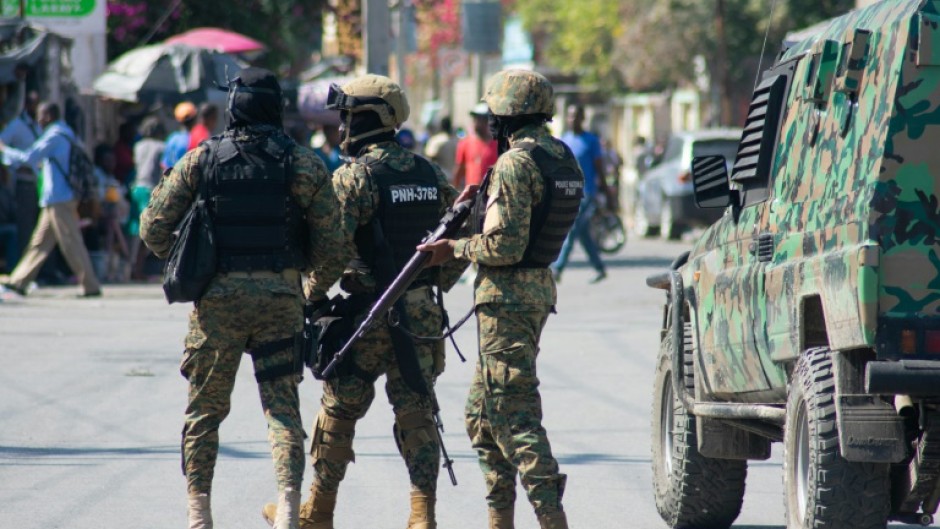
pixel 91 404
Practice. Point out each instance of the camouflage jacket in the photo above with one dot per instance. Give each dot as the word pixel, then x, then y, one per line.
pixel 515 189
pixel 174 195
pixel 359 198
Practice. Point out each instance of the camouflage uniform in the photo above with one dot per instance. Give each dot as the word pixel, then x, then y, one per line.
pixel 240 311
pixel 347 398
pixel 504 409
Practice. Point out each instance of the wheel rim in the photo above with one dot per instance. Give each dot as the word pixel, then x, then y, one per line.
pixel 801 470
pixel 666 426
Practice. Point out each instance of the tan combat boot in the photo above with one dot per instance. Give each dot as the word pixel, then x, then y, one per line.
pixel 315 513
pixel 555 520
pixel 502 518
pixel 422 511
pixel 200 515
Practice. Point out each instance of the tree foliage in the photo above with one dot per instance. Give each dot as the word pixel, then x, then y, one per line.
pixel 290 29
pixel 579 36
pixel 654 44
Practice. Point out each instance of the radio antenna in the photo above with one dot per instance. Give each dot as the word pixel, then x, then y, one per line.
pixel 763 47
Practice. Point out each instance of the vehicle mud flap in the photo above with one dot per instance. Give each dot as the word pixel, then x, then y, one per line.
pixel 870 430
pixel 720 440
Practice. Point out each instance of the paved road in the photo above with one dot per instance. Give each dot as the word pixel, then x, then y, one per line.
pixel 91 405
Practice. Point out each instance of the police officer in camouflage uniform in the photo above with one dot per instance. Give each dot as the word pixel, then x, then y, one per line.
pixel 387 194
pixel 531 202
pixel 273 210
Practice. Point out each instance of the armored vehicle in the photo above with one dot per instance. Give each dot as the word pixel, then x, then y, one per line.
pixel 809 313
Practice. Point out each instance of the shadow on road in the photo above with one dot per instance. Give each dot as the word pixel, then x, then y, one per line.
pixel 625 262
pixel 22 452
pixel 588 459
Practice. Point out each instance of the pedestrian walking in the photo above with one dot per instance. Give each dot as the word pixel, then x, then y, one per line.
pixel 389 198
pixel 177 143
pixel 441 147
pixel 58 223
pixel 147 154
pixel 270 199
pixel 587 149
pixel 477 152
pixel 532 200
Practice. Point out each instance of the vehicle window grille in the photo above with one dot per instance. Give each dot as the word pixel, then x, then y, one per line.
pixel 754 160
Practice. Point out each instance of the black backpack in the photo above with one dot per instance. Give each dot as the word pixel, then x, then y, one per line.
pixel 80 174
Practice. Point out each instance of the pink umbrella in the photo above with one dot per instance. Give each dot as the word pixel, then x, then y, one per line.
pixel 217 39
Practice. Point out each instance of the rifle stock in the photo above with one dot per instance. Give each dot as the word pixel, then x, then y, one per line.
pixel 446 228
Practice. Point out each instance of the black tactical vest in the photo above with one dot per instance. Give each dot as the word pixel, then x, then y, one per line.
pixel 409 207
pixel 554 216
pixel 258 225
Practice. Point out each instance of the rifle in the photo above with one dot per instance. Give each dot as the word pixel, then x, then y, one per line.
pixel 446 228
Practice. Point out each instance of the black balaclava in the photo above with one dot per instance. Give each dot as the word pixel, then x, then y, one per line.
pixel 363 122
pixel 254 98
pixel 502 127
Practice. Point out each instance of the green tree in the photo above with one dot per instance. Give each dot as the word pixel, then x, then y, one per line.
pixel 658 44
pixel 579 36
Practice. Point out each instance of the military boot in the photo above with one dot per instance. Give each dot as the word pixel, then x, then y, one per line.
pixel 200 515
pixel 502 518
pixel 315 513
pixel 422 511
pixel 555 520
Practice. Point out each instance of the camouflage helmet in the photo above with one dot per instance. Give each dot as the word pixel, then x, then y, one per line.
pixel 366 90
pixel 520 92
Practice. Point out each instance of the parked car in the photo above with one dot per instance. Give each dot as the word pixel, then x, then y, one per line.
pixel 663 201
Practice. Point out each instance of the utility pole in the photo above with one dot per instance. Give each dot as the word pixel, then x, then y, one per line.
pixel 724 82
pixel 375 38
pixel 400 51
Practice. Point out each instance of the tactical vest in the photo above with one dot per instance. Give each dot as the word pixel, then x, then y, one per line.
pixel 258 225
pixel 561 199
pixel 409 207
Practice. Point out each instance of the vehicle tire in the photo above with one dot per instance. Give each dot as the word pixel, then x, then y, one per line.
pixel 608 232
pixel 641 224
pixel 691 490
pixel 821 489
pixel 669 228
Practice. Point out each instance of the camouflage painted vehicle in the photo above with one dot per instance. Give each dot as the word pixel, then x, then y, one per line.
pixel 810 312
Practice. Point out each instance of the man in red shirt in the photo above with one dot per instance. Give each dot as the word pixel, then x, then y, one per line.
pixel 477 152
pixel 208 117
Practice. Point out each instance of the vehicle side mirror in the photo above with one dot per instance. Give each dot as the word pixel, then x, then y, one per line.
pixel 712 189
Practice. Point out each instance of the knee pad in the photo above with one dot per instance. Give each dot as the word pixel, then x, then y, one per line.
pixel 332 439
pixel 414 430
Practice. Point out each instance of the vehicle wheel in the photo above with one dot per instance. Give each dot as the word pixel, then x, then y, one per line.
pixel 607 231
pixel 669 228
pixel 691 490
pixel 821 489
pixel 641 224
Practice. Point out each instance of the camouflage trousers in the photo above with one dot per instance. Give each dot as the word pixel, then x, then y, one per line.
pixel 504 409
pixel 224 324
pixel 346 399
